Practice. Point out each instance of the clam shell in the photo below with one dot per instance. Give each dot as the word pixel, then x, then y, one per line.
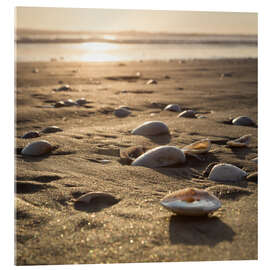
pixel 121 112
pixel 240 142
pixel 191 202
pixel 69 102
pixel 151 128
pixel 59 104
pixel 199 147
pixel 151 82
pixel 226 173
pixel 31 134
pixel 187 113
pixel 243 121
pixel 64 88
pixel 160 156
pixel 91 196
pixel 81 101
pixel 37 148
pixel 173 108
pixel 51 129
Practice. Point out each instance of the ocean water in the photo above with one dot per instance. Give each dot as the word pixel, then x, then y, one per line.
pixel 135 47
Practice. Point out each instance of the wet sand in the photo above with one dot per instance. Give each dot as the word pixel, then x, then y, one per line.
pixel 52 229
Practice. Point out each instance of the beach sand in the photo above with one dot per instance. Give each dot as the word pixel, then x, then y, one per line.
pixel 52 229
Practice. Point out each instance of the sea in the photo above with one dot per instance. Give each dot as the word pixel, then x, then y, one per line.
pixel 132 46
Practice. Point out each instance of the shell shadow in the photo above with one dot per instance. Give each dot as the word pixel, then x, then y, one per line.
pixel 241 153
pixel 96 205
pixel 203 230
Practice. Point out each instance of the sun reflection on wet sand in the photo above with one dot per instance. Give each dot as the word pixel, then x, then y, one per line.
pixel 98 51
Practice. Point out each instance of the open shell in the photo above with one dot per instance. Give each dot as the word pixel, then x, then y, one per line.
pixel 223 172
pixel 160 156
pixel 199 147
pixel 37 148
pixel 240 142
pixel 151 128
pixel 191 202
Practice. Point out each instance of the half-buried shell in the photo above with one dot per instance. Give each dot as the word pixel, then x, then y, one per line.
pixel 37 148
pixel 226 173
pixel 240 142
pixel 243 121
pixel 121 112
pixel 129 154
pixel 173 108
pixel 160 156
pixel 187 114
pixel 51 129
pixel 191 202
pixel 199 147
pixel 151 128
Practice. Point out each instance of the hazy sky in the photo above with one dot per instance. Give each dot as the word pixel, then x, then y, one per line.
pixel 86 19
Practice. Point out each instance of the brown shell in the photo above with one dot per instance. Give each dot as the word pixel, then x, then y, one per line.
pixel 240 142
pixel 129 154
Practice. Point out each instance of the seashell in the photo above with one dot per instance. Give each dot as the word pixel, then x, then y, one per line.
pixel 173 108
pixel 151 128
pixel 243 121
pixel 81 101
pixel 51 129
pixel 35 70
pixel 227 173
pixel 255 159
pixel 187 113
pixel 160 156
pixel 199 147
pixel 69 102
pixel 94 197
pixel 31 134
pixel 37 148
pixel 64 88
pixel 121 112
pixel 151 82
pixel 138 74
pixel 240 142
pixel 59 104
pixel 191 202
pixel 129 154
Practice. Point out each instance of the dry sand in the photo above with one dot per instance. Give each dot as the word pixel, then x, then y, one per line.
pixel 51 229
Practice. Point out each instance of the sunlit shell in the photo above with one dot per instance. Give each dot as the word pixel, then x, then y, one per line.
pixel 121 112
pixel 81 101
pixel 96 197
pixel 51 129
pixel 69 102
pixel 31 134
pixel 151 128
pixel 199 147
pixel 240 142
pixel 243 121
pixel 64 88
pixel 191 202
pixel 151 82
pixel 187 113
pixel 59 104
pixel 160 156
pixel 226 173
pixel 173 108
pixel 37 148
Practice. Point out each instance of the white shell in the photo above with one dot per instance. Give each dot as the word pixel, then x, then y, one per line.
pixel 151 82
pixel 187 113
pixel 226 173
pixel 37 148
pixel 121 112
pixel 151 128
pixel 81 101
pixel 160 156
pixel 191 202
pixel 240 142
pixel 173 108
pixel 59 104
pixel 69 102
pixel 242 121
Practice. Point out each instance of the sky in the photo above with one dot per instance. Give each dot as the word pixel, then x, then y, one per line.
pixel 86 19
